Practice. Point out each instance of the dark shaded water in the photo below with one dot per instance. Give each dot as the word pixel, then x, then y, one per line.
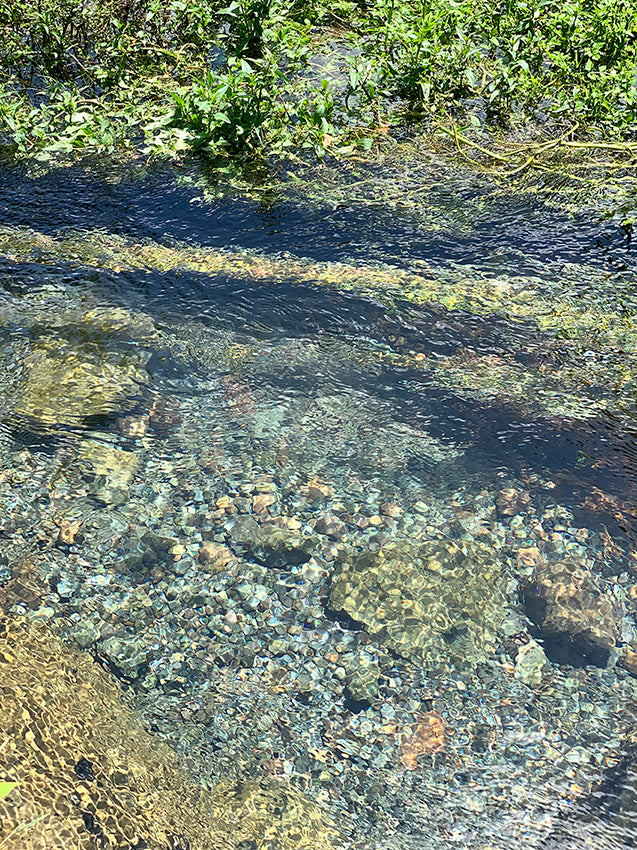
pixel 503 231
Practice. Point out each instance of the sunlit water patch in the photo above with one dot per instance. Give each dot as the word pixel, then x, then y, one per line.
pixel 344 497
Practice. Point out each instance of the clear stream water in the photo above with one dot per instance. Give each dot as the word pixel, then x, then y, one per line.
pixel 306 376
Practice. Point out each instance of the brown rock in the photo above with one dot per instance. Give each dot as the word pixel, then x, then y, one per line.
pixel 68 532
pixel 428 736
pixel 332 526
pixel 391 510
pixel 214 555
pixel 530 557
pixel 629 661
pixel 573 610
pixel 317 491
pixel 510 501
pixel 262 501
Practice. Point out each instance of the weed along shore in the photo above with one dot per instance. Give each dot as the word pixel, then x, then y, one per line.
pixel 318 426
pixel 258 79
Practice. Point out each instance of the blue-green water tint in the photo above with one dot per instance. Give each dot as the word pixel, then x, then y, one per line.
pixel 217 403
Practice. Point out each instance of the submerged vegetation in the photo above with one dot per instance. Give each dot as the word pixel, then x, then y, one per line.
pixel 256 78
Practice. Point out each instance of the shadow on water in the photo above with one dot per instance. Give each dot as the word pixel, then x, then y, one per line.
pixel 502 232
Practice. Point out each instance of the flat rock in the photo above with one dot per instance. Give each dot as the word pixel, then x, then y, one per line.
pixel 434 601
pixel 65 383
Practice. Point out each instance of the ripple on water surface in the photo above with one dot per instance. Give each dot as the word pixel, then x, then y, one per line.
pixel 343 493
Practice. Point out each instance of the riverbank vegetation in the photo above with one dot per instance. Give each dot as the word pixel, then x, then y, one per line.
pixel 261 78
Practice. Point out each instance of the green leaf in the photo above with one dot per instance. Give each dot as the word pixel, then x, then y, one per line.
pixel 6 788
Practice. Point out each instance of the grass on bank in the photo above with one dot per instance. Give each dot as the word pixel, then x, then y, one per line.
pixel 238 79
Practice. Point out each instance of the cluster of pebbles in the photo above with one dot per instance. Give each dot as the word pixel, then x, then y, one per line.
pixel 229 606
pixel 435 662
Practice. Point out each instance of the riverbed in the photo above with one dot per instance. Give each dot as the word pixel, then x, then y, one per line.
pixel 336 481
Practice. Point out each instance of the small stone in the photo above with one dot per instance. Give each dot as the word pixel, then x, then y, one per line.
pixel 85 634
pixel 265 486
pixel 362 677
pixel 391 510
pixel 128 656
pixel 531 664
pixel 331 525
pixel 629 661
pixel 530 557
pixel 510 501
pixel 428 736
pixel 262 501
pixel 68 532
pixel 214 555
pixel 316 491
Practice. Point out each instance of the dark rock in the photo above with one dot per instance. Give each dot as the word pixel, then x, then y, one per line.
pixel 575 615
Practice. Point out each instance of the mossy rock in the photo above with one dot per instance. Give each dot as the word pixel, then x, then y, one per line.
pixel 66 383
pixel 90 777
pixel 434 602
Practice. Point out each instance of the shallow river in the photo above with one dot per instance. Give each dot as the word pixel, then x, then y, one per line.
pixel 336 479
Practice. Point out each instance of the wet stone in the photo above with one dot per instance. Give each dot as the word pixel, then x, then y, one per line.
pixel 214 556
pixel 574 613
pixel 531 664
pixel 437 601
pixel 67 383
pixel 273 542
pixel 362 676
pixel 127 655
pixel 511 501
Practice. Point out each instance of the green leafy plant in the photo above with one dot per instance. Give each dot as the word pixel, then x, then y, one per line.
pixel 234 79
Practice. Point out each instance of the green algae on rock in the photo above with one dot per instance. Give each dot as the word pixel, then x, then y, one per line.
pixel 89 775
pixel 65 383
pixel 428 602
